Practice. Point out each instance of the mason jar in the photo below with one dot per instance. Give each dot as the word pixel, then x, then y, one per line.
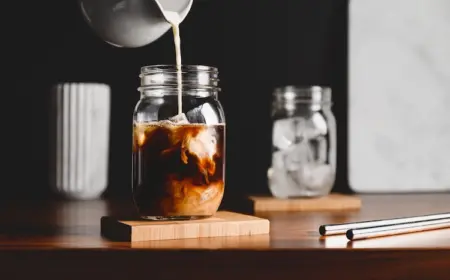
pixel 178 143
pixel 303 142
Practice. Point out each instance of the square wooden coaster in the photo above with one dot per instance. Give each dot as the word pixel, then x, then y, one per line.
pixel 224 223
pixel 325 203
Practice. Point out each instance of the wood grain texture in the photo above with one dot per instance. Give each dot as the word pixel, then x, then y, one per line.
pixel 325 203
pixel 65 236
pixel 224 223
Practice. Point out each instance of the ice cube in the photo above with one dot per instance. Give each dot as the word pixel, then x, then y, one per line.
pixel 281 184
pixel 296 155
pixel 179 119
pixel 291 175
pixel 283 133
pixel 317 176
pixel 203 145
pixel 321 150
pixel 306 129
pixel 196 115
pixel 278 159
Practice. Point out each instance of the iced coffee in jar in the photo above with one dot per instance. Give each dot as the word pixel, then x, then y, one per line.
pixel 178 143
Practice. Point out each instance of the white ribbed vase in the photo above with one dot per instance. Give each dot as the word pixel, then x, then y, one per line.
pixel 79 139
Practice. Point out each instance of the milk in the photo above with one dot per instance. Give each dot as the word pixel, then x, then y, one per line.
pixel 174 19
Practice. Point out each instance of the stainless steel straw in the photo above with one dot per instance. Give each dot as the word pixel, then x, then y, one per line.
pixel 333 229
pixel 373 232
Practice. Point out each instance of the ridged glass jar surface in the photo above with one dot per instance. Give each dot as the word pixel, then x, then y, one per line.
pixel 178 159
pixel 303 142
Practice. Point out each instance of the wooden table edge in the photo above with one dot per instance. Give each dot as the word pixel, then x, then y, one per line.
pixel 230 263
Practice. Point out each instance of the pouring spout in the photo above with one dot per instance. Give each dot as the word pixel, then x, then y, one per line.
pixel 168 7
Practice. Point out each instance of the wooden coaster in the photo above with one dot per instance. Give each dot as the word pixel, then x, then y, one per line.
pixel 325 203
pixel 262 241
pixel 224 223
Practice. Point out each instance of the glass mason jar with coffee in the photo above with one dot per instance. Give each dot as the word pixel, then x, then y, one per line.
pixel 303 142
pixel 178 143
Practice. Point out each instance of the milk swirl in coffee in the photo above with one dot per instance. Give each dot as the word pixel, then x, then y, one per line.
pixel 179 170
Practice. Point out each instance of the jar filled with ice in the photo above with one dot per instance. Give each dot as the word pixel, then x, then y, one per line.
pixel 303 142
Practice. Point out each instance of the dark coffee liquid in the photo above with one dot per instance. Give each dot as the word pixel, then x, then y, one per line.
pixel 178 170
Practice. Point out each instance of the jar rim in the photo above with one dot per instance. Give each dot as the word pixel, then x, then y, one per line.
pixel 158 68
pixel 314 93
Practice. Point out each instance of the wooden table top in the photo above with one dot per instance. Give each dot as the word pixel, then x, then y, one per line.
pixel 57 232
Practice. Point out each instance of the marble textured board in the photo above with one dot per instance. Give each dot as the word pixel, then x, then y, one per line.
pixel 399 95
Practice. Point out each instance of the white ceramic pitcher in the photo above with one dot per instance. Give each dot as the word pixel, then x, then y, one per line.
pixel 131 23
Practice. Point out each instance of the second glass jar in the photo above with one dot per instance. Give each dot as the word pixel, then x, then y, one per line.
pixel 303 142
pixel 178 159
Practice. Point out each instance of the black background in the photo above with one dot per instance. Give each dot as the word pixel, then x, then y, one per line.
pixel 256 44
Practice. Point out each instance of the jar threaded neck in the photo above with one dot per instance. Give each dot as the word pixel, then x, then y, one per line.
pixel 306 95
pixel 195 78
